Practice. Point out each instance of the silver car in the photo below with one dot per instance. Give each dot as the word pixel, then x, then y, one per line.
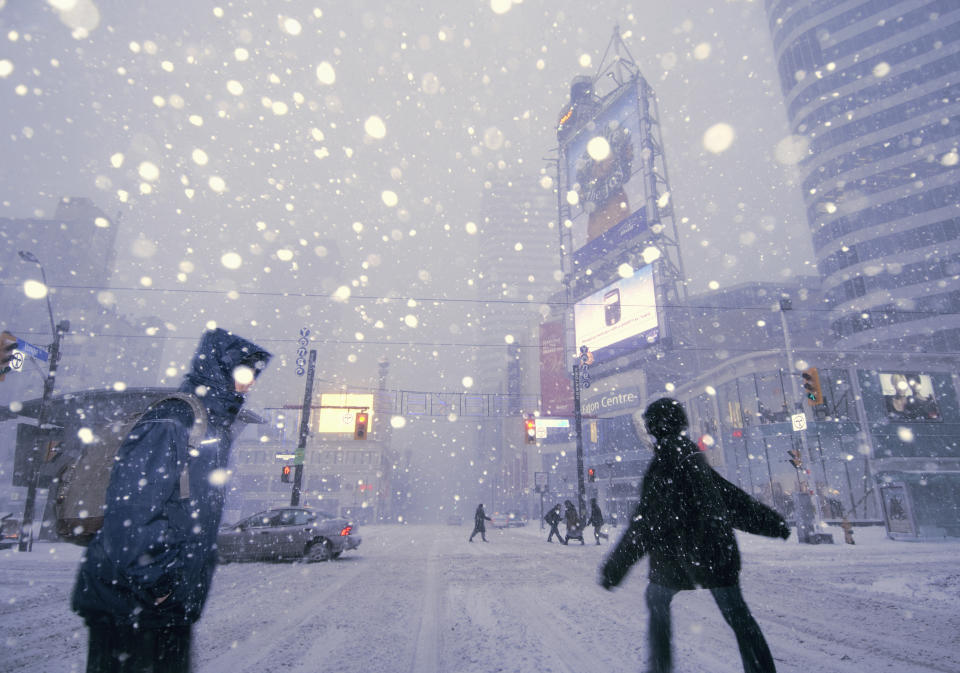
pixel 287 533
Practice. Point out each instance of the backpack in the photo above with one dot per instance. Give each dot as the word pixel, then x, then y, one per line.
pixel 81 486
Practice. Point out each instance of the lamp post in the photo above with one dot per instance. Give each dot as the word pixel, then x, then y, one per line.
pixel 58 329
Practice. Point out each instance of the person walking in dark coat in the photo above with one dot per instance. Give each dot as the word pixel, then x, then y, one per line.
pixel 553 518
pixel 479 525
pixel 685 523
pixel 145 576
pixel 574 525
pixel 596 520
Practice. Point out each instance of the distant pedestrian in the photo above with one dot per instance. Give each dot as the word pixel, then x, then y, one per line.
pixel 574 524
pixel 596 520
pixel 553 518
pixel 479 525
pixel 847 530
pixel 145 576
pixel 685 523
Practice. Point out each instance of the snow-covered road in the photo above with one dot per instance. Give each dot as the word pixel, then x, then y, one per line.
pixel 423 599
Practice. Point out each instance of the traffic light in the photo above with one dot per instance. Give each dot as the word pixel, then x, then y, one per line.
pixel 360 425
pixel 530 430
pixel 285 474
pixel 8 343
pixel 591 474
pixel 811 385
pixel 795 458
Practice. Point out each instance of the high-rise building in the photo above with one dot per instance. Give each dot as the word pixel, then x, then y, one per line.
pixel 518 266
pixel 873 97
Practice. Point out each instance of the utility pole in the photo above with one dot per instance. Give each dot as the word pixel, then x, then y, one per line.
pixel 304 430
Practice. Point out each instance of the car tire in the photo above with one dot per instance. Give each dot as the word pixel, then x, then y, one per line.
pixel 319 550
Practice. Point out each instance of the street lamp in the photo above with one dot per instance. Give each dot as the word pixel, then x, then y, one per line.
pixel 26 523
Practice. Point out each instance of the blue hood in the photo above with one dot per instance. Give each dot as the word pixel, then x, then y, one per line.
pixel 211 377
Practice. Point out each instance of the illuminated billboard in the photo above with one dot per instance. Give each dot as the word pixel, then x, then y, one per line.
pixel 620 318
pixel 909 397
pixel 337 412
pixel 603 176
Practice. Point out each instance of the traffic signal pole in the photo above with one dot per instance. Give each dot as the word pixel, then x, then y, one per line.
pixel 785 305
pixel 304 430
pixel 581 379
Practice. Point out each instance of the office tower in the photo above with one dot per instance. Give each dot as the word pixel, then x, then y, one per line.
pixel 873 97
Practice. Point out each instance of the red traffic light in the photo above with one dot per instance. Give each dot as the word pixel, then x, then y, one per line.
pixel 360 425
pixel 591 474
pixel 530 430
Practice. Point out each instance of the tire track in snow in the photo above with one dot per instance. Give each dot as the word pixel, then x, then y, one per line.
pixel 426 656
pixel 283 633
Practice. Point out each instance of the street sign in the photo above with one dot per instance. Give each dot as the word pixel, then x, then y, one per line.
pixel 799 422
pixel 16 360
pixel 34 351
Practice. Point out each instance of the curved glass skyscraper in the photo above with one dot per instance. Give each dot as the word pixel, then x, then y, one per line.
pixel 872 89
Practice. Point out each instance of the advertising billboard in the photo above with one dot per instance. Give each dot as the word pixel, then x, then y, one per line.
pixel 909 397
pixel 602 163
pixel 337 413
pixel 620 318
pixel 556 391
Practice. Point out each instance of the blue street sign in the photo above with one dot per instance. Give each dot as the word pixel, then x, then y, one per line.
pixel 35 351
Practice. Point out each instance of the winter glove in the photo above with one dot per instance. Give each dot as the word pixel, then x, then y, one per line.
pixel 612 573
pixel 605 580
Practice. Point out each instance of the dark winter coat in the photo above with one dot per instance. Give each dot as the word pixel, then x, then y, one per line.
pixel 572 519
pixel 155 543
pixel 553 516
pixel 478 520
pixel 596 516
pixel 685 520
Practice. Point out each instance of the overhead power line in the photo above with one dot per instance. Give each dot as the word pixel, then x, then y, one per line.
pixel 773 307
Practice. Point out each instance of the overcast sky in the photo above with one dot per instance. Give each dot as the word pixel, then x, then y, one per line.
pixel 256 147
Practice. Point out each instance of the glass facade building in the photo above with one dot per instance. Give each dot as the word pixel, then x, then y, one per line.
pixel 872 91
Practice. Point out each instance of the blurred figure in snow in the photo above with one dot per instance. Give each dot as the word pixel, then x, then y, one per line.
pixel 145 577
pixel 553 518
pixel 685 523
pixel 574 525
pixel 596 520
pixel 479 525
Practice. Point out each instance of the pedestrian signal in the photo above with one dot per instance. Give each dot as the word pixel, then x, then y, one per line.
pixel 795 458
pixel 360 425
pixel 811 386
pixel 530 430
pixel 285 474
pixel 591 474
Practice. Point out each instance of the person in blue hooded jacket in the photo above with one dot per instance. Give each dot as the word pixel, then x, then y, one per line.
pixel 146 574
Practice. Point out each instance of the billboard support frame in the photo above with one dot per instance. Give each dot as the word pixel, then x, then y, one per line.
pixel 661 228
